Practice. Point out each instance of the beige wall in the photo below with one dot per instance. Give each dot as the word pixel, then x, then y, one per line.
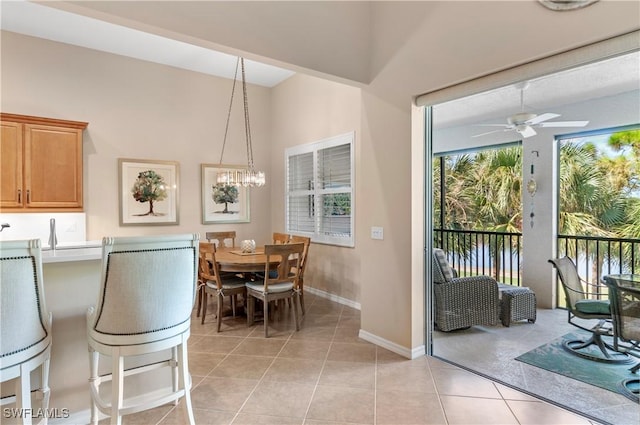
pixel 141 110
pixel 374 273
pixel 307 109
pixel 384 199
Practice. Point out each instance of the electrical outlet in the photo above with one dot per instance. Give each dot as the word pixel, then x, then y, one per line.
pixel 377 233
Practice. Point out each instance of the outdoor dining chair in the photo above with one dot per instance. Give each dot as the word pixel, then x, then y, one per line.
pixel 580 307
pixel 625 303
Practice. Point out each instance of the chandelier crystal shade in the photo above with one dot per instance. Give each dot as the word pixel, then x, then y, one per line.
pixel 247 177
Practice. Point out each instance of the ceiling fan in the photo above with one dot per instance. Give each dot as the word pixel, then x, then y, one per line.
pixel 524 122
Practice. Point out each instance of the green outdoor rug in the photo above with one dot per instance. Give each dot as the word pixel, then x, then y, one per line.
pixel 555 358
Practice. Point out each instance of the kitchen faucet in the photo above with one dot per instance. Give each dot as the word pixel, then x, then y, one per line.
pixel 53 239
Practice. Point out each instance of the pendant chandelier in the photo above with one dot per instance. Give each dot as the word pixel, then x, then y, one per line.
pixel 246 177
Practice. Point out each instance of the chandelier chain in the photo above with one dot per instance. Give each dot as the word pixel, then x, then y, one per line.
pixel 226 128
pixel 247 126
pixel 238 176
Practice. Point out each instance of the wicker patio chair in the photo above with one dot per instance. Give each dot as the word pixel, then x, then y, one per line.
pixel 462 302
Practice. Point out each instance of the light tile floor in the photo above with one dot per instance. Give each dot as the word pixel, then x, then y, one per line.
pixel 324 374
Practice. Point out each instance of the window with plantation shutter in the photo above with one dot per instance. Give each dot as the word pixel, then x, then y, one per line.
pixel 319 190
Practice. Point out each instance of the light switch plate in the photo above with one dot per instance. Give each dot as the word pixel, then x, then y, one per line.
pixel 377 233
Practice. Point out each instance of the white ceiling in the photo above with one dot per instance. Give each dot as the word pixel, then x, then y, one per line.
pixel 39 20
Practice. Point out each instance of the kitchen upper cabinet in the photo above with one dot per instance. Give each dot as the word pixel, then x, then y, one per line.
pixel 41 160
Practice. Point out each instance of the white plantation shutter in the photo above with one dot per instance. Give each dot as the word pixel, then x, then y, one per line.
pixel 319 192
pixel 300 190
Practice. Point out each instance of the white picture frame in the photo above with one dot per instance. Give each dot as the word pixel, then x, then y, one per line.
pixel 219 212
pixel 139 209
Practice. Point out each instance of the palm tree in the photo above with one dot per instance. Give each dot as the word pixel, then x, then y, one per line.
pixel 586 201
pixel 482 193
pixel 496 186
pixel 624 171
pixel 592 201
pixel 458 205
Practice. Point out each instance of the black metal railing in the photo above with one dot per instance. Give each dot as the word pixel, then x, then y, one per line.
pixel 499 254
pixel 474 252
pixel 596 257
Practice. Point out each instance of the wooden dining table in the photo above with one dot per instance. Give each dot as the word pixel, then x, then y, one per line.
pixel 234 260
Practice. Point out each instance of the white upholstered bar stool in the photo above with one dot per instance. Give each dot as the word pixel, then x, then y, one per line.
pixel 25 334
pixel 147 292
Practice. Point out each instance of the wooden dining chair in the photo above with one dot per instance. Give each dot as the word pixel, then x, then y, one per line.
pixel 280 238
pixel 283 286
pixel 222 239
pixel 303 265
pixel 213 282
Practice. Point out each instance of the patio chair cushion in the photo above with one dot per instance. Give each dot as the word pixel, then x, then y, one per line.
pixel 442 271
pixel 593 306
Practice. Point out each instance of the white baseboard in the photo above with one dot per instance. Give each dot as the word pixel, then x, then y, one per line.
pixel 333 297
pixel 374 339
pixel 392 346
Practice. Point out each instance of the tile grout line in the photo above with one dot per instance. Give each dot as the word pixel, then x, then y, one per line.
pixel 324 363
pixel 504 400
pixel 263 374
pixel 435 386
pixel 205 376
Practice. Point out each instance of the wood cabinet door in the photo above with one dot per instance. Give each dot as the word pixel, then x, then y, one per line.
pixel 11 165
pixel 53 167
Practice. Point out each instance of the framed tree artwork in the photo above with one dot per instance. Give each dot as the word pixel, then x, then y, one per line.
pixel 148 192
pixel 222 203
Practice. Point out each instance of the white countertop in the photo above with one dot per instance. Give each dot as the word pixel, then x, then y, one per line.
pixel 79 251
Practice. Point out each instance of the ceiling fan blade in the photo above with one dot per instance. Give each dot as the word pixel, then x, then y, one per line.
pixel 527 132
pixel 539 118
pixel 490 132
pixel 564 124
pixel 495 125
